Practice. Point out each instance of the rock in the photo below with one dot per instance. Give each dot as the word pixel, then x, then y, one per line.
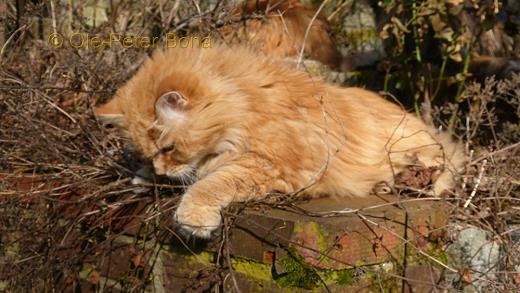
pixel 514 252
pixel 422 278
pixel 475 255
pixel 359 29
pixel 316 68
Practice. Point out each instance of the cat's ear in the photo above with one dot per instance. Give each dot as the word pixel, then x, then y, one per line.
pixel 110 113
pixel 171 107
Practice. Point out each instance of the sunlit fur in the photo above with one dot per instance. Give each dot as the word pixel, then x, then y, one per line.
pixel 277 28
pixel 251 126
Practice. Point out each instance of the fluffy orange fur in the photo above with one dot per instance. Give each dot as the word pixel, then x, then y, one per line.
pixel 280 32
pixel 241 126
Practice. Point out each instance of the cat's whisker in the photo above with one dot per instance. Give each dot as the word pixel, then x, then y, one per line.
pixel 186 175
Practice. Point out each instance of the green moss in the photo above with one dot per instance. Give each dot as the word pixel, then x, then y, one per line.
pixel 344 277
pixel 361 35
pixel 315 229
pixel 298 227
pixel 12 249
pixel 382 281
pixel 252 269
pixel 203 257
pixel 86 270
pixel 3 286
pixel 434 250
pixel 311 228
pixel 297 274
pixel 438 253
pixel 338 277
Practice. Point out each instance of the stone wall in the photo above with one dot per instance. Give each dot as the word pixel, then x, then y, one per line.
pixel 324 244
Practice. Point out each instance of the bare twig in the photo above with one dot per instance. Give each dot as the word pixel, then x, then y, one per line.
pixel 307 31
pixel 477 184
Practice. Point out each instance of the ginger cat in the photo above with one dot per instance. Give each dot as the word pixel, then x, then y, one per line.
pixel 239 125
pixel 277 28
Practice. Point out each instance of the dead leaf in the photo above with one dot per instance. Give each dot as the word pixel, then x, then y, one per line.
pixel 466 275
pixel 69 280
pixel 94 277
pixel 137 260
pixel 516 278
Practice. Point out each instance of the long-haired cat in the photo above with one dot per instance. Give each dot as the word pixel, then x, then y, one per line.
pixel 278 28
pixel 240 125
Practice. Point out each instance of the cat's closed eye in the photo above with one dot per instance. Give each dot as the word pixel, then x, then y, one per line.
pixel 167 149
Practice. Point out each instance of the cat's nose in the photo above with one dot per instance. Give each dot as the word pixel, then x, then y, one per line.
pixel 159 167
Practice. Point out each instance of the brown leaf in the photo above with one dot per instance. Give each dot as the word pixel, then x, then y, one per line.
pixel 416 176
pixel 466 275
pixel 137 260
pixel 516 278
pixel 69 280
pixel 94 277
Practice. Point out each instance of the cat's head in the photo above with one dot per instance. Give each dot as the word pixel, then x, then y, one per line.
pixel 178 111
pixel 161 135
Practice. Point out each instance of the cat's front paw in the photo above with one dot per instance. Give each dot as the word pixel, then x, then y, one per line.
pixel 197 220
